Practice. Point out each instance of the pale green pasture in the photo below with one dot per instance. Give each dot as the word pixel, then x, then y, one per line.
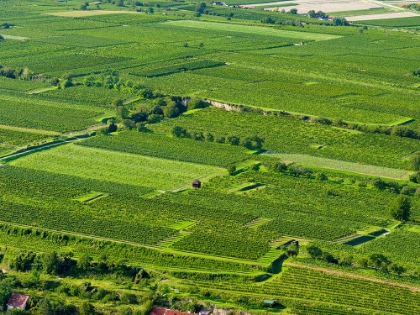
pixel 370 170
pixel 112 166
pixel 252 30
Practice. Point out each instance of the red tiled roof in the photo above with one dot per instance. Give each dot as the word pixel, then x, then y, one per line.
pixel 17 300
pixel 158 311
pixel 164 311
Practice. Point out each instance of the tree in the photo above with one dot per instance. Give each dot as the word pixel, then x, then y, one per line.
pixel 363 262
pixel 86 309
pixel 129 124
pixel 233 140
pixel 321 14
pixel 197 103
pixel 44 307
pixel 293 11
pixel 379 261
pixel 311 14
pixel 6 286
pixel 66 83
pixel 84 6
pixel 328 257
pixel 208 136
pixel 117 102
pixel 415 178
pixel 279 167
pixel 400 208
pixel 179 132
pixel 379 184
pixel 321 176
pixel 123 112
pixel 154 118
pixel 346 261
pixel 313 251
pixel 84 262
pixel 231 169
pixel 398 269
pixel 112 127
pixel 267 20
pixel 171 110
pixel 414 161
pixel 89 81
pixel 200 8
pixel 51 263
pixel 340 21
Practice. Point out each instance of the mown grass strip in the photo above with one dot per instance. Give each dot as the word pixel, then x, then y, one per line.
pixel 252 30
pixel 339 165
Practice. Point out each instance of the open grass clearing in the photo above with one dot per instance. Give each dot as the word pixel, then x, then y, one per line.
pixel 182 225
pixel 112 166
pixel 90 197
pixel 14 37
pixel 29 130
pixel 370 170
pixel 267 31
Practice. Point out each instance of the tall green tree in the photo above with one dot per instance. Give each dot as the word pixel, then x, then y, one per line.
pixel 400 208
pixel 51 263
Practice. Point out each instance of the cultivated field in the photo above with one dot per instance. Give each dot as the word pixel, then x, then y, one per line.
pixel 122 187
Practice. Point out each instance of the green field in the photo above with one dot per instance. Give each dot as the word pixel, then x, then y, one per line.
pixel 341 165
pixel 309 176
pixel 116 167
pixel 227 27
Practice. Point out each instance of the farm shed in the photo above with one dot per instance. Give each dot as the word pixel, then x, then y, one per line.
pixel 196 184
pixel 17 301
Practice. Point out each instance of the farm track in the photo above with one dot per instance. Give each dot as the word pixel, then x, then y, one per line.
pixel 354 276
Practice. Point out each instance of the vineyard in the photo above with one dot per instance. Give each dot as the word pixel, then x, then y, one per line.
pixel 208 155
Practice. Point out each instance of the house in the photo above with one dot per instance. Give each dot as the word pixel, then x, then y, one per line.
pixel 220 3
pixel 164 311
pixel 17 301
pixel 196 184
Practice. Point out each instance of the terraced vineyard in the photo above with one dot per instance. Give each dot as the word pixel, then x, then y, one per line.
pixel 219 157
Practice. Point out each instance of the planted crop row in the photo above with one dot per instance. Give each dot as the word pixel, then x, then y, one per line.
pixel 43 241
pixel 289 135
pixel 29 114
pixel 162 146
pixel 180 67
pixel 233 242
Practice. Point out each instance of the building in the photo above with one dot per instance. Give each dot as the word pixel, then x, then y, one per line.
pixel 196 184
pixel 17 301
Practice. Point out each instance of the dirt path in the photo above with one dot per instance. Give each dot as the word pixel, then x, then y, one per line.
pixel 354 276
